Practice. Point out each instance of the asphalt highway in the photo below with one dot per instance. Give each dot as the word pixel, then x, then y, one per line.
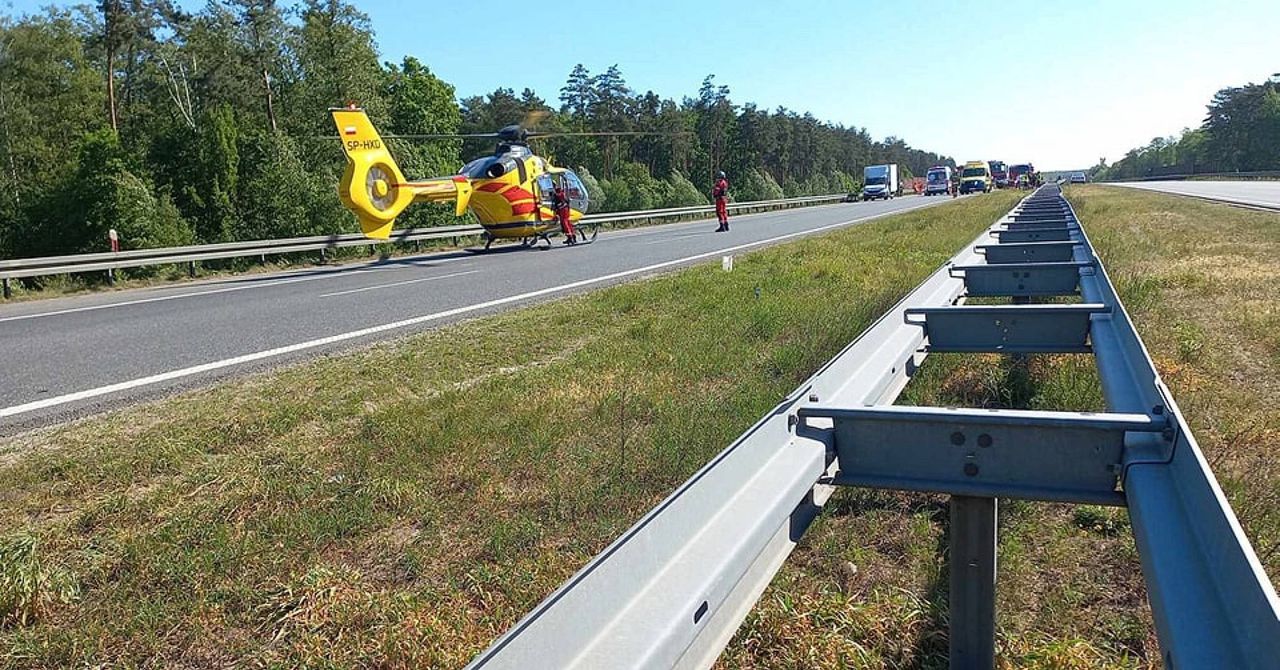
pixel 73 356
pixel 1262 194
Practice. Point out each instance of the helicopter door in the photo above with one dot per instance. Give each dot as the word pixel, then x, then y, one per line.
pixel 577 192
pixel 546 194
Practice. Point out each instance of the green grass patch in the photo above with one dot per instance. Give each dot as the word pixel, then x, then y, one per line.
pixel 402 505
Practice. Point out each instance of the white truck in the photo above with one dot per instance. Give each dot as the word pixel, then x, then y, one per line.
pixel 880 181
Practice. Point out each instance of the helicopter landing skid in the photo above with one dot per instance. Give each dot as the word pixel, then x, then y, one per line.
pixel 586 233
pixel 530 242
pixel 582 235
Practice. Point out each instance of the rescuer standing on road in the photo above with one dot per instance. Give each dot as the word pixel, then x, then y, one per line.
pixel 560 201
pixel 721 194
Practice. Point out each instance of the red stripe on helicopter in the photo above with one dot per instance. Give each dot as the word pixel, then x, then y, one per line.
pixel 523 208
pixel 516 194
pixel 511 193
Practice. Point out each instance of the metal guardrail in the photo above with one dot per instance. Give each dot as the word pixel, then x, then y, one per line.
pixel 673 589
pixel 1257 174
pixel 109 261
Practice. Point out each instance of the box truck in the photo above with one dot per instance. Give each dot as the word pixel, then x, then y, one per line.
pixel 880 181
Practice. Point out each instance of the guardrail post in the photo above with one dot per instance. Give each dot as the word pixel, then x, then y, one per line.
pixel 324 257
pixel 111 277
pixel 973 583
pixel 8 293
pixel 191 269
pixel 417 246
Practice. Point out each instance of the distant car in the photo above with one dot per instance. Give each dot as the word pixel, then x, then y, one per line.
pixel 1078 178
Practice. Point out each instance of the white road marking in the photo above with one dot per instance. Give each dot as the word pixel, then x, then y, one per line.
pixel 396 283
pixel 678 238
pixel 262 284
pixel 373 330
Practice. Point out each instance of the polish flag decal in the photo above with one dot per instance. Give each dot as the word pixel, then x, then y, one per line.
pixel 349 130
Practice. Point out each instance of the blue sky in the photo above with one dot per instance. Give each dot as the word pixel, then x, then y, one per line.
pixel 1060 84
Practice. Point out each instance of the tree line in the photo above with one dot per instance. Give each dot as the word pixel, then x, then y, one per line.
pixel 177 127
pixel 1240 133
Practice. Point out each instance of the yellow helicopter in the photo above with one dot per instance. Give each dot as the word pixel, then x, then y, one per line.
pixel 511 191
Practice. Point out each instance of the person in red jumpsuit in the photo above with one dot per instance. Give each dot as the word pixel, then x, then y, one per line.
pixel 560 200
pixel 721 194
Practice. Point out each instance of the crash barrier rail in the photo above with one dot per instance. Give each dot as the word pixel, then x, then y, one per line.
pixel 672 590
pixel 190 255
pixel 1257 174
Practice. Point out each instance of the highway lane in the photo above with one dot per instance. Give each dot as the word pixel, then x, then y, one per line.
pixel 1264 194
pixel 73 356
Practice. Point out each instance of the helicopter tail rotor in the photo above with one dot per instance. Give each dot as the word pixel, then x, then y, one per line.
pixel 372 185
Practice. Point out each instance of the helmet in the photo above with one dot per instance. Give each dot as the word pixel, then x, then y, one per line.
pixel 720 174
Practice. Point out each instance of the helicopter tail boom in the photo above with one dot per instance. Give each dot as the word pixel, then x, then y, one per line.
pixel 374 188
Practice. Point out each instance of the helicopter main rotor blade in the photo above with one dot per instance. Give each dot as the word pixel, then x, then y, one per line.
pixel 445 136
pixel 468 136
pixel 533 117
pixel 617 133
